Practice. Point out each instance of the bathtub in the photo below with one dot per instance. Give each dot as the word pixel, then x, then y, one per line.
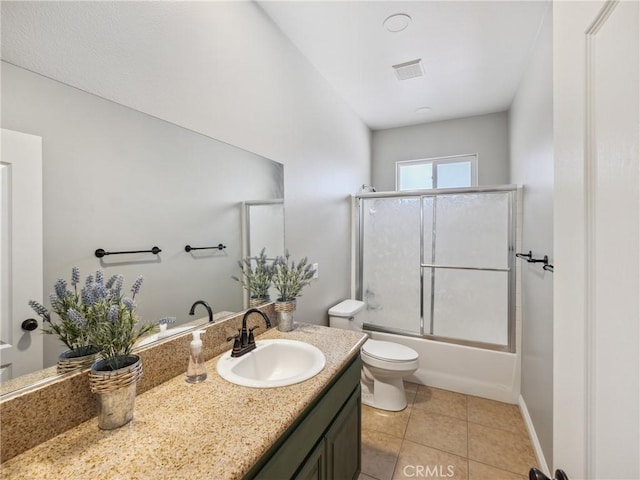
pixel 470 370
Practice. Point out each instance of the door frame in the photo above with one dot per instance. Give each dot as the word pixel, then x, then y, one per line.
pixel 578 361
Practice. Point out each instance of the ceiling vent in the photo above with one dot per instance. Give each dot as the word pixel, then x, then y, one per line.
pixel 407 70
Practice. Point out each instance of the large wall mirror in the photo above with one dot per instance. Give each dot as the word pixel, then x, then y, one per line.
pixel 120 180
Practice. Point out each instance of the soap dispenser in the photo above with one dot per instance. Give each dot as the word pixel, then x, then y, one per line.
pixel 196 371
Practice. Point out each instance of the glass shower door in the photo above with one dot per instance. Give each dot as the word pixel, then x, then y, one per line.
pixel 440 265
pixel 466 266
pixel 390 253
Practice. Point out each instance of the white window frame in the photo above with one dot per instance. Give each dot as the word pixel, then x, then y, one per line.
pixel 435 161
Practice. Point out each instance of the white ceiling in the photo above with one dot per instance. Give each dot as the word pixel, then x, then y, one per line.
pixel 474 53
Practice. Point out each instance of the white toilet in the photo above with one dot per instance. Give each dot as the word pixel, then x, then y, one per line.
pixel 384 364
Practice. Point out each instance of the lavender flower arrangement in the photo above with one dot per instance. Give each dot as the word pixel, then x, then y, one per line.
pixel 290 278
pixel 97 318
pixel 163 324
pixel 167 321
pixel 74 325
pixel 115 322
pixel 256 281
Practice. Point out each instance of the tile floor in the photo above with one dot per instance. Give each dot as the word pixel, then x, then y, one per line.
pixel 445 435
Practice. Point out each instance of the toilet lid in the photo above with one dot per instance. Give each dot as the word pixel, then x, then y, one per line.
pixel 389 351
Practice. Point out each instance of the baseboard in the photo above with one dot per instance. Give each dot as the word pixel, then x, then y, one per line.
pixel 466 385
pixel 542 463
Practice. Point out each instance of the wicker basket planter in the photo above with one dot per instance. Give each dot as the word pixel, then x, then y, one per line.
pixel 284 314
pixel 69 360
pixel 115 391
pixel 258 301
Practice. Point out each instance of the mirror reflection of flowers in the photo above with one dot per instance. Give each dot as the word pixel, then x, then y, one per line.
pixel 163 324
pixel 290 278
pixel 256 280
pixel 166 321
pixel 74 325
pixel 115 321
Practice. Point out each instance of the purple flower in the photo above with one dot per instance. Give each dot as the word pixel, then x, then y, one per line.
pixel 88 298
pixel 129 304
pixel 99 277
pixel 112 314
pixel 38 308
pixel 76 318
pixel 100 291
pixel 75 276
pixel 111 281
pixel 135 288
pixel 117 287
pixel 53 299
pixel 88 280
pixel 61 288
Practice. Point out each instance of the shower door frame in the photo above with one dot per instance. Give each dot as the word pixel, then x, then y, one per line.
pixel 510 269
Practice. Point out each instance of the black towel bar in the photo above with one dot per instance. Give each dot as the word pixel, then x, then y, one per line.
pixel 100 252
pixel 529 258
pixel 188 248
pixel 526 256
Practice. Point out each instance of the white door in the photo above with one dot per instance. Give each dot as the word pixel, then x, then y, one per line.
pixel 20 253
pixel 597 239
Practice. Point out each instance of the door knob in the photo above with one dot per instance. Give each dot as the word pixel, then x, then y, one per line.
pixel 535 474
pixel 30 324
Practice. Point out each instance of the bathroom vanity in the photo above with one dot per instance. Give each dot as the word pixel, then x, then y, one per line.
pixel 220 430
pixel 324 443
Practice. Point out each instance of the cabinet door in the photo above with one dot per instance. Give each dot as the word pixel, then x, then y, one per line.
pixel 314 467
pixel 343 442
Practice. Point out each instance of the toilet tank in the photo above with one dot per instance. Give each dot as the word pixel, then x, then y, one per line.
pixel 343 315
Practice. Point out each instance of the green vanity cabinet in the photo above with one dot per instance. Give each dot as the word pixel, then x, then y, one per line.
pixel 337 455
pixel 314 468
pixel 342 442
pixel 324 443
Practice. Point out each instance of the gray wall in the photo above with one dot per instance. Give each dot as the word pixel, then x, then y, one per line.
pixel 486 135
pixel 248 86
pixel 531 128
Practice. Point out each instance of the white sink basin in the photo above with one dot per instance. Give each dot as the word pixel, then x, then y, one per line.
pixel 274 363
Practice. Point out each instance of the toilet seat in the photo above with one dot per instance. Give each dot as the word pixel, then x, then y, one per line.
pixel 389 351
pixel 389 356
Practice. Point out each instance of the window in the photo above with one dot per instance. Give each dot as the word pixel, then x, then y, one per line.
pixel 442 172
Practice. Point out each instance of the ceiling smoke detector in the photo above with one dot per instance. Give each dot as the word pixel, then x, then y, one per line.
pixel 407 70
pixel 397 22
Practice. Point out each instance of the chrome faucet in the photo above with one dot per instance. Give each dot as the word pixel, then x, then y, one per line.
pixel 205 305
pixel 244 341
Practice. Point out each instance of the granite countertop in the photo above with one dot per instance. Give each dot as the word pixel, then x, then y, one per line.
pixel 50 373
pixel 214 429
